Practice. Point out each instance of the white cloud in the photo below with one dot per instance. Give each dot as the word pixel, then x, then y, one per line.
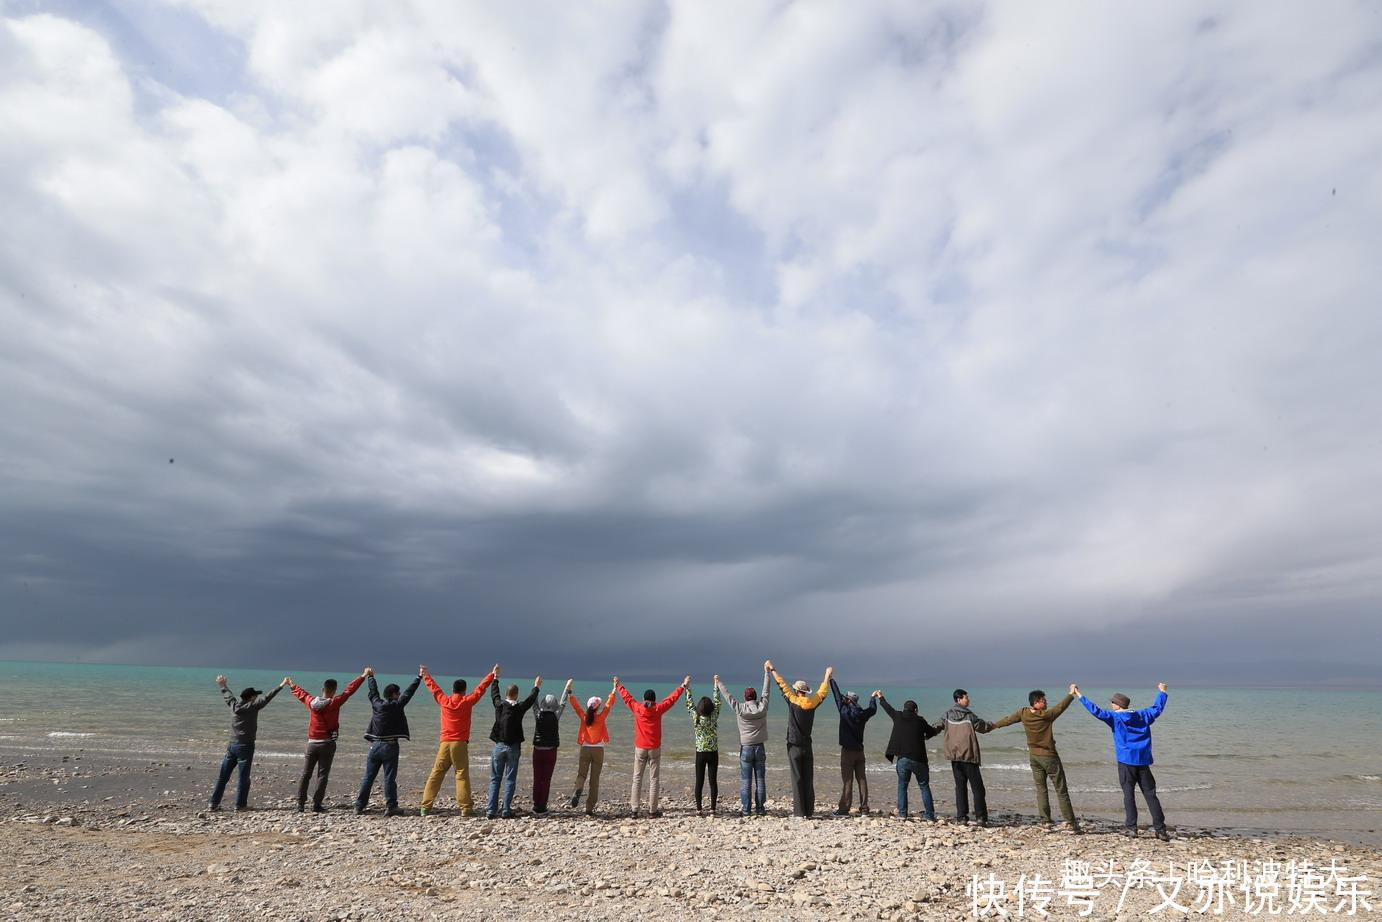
pixel 990 310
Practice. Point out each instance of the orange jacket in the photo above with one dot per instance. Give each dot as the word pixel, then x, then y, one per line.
pixel 647 718
pixel 592 734
pixel 456 709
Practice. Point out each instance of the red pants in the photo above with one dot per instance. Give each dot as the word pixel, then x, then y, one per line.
pixel 544 763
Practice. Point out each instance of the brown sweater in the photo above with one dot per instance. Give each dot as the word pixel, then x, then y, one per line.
pixel 1040 740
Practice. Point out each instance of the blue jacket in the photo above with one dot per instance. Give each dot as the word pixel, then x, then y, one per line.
pixel 1132 730
pixel 852 718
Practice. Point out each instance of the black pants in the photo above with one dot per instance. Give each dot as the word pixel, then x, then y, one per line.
pixel 707 762
pixel 1130 778
pixel 802 764
pixel 967 776
pixel 319 757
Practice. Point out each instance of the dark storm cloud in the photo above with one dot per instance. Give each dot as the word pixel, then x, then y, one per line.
pixel 362 345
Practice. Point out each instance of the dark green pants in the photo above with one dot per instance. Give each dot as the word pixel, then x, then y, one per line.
pixel 1044 767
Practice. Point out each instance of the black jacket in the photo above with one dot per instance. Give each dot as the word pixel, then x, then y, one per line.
pixel 388 720
pixel 244 715
pixel 508 716
pixel 852 719
pixel 547 732
pixel 910 733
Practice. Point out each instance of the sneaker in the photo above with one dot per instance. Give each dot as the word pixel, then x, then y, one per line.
pixel 359 811
pixel 491 815
pixel 575 799
pixel 470 812
pixel 245 809
pixel 318 808
pixel 506 815
pixel 213 808
pixel 1130 832
pixel 760 813
pixel 984 822
pixel 700 812
pixel 1074 829
pixel 654 814
pixel 393 811
pixel 424 811
pixel 302 807
pixel 839 813
pixel 929 817
pixel 1163 835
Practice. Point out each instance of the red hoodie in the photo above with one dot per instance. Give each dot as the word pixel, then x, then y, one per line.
pixel 647 718
pixel 456 709
pixel 324 723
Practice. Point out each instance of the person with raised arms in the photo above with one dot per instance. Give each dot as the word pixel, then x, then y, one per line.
pixel 546 741
pixel 852 764
pixel 453 751
pixel 387 726
pixel 244 728
pixel 907 745
pixel 647 742
pixel 323 726
pixel 1036 720
pixel 1132 746
pixel 507 734
pixel 752 715
pixel 705 731
pixel 592 737
pixel 801 716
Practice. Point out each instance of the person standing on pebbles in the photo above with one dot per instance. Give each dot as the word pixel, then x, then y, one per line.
pixel 752 714
pixel 1037 719
pixel 244 727
pixel 387 725
pixel 323 726
pixel 852 721
pixel 705 728
pixel 907 745
pixel 962 729
pixel 647 742
pixel 507 734
pixel 801 716
pixel 546 740
pixel 1132 745
pixel 592 738
pixel 454 748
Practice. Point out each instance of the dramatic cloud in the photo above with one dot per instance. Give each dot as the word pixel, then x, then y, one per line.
pixel 924 339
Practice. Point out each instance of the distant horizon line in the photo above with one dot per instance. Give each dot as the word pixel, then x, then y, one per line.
pixel 1344 685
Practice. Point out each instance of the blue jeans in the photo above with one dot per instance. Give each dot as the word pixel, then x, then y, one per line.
pixel 906 768
pixel 753 764
pixel 241 754
pixel 383 754
pixel 503 761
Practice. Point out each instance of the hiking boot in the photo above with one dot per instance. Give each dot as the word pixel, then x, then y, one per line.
pixel 1163 835
pixel 318 808
pixel 575 799
pixel 213 808
pixel 1130 832
pixel 302 807
pixel 984 822
pixel 393 811
pixel 359 811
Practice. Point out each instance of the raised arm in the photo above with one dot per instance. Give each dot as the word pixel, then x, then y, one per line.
pixel 494 694
pixel 263 700
pixel 561 699
pixel 1153 711
pixel 1053 712
pixel 714 699
pixel 626 697
pixel 666 703
pixel 407 695
pixel 479 690
pixel 1097 711
pixel 350 689
pixel 720 687
pixel 835 693
pixel 434 688
pixel 225 693
pixel 529 701
pixel 887 708
pixel 1011 719
pixel 373 690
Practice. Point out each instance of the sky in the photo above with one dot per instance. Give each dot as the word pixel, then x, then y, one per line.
pixel 942 343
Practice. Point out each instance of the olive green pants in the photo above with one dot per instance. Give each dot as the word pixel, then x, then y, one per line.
pixel 1044 767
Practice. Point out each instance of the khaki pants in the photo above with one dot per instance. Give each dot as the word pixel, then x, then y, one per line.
pixel 451 755
pixel 591 761
pixel 1044 767
pixel 852 770
pixel 650 759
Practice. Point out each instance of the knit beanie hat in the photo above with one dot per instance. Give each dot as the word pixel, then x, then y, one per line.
pixel 1121 700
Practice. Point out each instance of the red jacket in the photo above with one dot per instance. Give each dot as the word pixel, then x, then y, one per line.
pixel 324 724
pixel 647 718
pixel 456 709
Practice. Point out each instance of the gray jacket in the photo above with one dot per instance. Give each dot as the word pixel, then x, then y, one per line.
pixel 244 715
pixel 752 715
pixel 962 726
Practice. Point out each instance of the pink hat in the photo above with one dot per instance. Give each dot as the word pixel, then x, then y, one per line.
pixel 593 701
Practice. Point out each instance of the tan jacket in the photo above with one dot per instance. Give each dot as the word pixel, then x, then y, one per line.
pixel 961 734
pixel 1040 740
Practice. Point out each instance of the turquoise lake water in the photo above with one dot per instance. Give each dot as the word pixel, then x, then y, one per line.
pixel 1257 759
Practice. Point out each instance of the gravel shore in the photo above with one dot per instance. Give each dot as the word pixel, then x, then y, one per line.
pixel 164 857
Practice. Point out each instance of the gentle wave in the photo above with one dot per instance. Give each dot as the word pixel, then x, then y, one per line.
pixel 1161 789
pixel 68 733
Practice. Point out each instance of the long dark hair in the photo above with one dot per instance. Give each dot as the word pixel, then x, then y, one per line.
pixel 705 707
pixel 590 713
